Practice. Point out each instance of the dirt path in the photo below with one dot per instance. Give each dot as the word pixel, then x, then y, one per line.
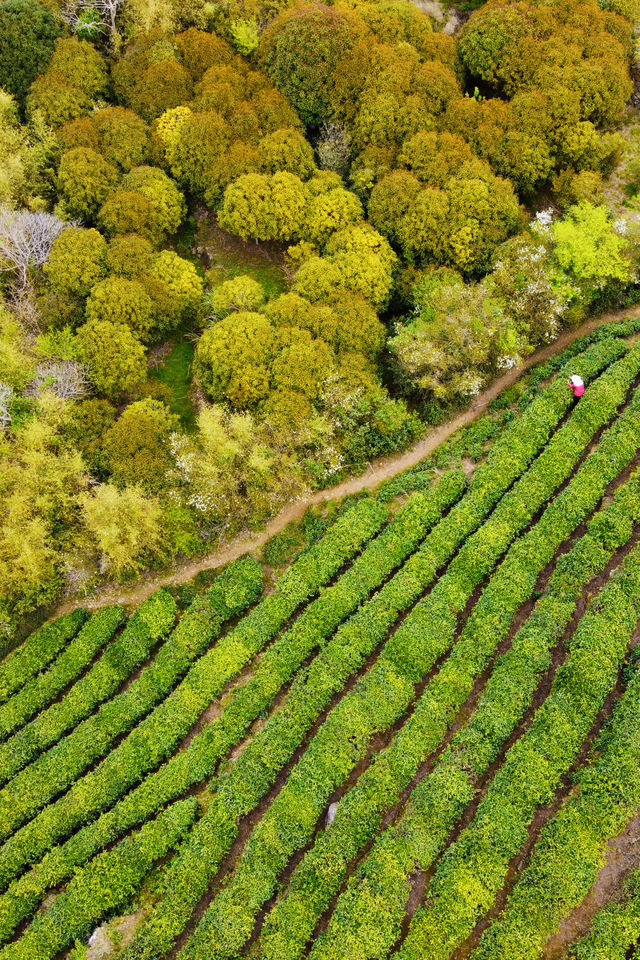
pixel 622 857
pixel 384 469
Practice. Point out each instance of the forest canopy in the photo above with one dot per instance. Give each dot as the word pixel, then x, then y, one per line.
pixel 434 204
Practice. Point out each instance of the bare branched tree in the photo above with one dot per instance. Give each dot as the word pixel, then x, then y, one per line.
pixel 6 397
pixel 25 240
pixel 25 309
pixel 66 378
pixel 97 16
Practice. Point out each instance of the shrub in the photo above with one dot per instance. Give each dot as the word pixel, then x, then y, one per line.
pixel 163 728
pixel 38 651
pixel 441 797
pixel 409 653
pixel 128 651
pixel 106 884
pixel 77 656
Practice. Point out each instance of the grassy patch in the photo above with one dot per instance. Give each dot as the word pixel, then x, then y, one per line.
pixel 268 274
pixel 228 256
pixel 174 370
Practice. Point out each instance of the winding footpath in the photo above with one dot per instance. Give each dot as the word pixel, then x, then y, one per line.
pixel 384 469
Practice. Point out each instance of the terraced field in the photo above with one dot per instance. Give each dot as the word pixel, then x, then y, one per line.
pixel 421 740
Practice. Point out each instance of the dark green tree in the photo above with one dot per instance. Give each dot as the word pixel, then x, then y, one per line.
pixel 28 33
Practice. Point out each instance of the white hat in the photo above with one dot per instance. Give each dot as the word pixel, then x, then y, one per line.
pixel 576 380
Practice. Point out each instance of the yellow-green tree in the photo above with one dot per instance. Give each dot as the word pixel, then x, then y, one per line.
pixel 234 357
pixel 137 447
pixel 264 207
pixel 590 250
pixel 76 261
pixel 124 527
pixel 286 150
pixel 121 302
pixel 234 471
pixel 85 179
pixel 114 356
pixel 129 255
pixel 167 202
pixel 181 280
pixel 41 479
pixel 76 75
pixel 238 294
pixel 122 137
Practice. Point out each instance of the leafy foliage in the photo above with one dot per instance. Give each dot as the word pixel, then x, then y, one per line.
pixel 114 356
pixel 136 448
pixel 28 33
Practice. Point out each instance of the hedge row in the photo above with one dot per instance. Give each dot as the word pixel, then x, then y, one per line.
pixel 195 763
pixel 357 926
pixel 384 694
pixel 572 847
pixel 131 648
pixel 38 651
pixel 472 871
pixel 53 772
pixel 615 929
pixel 471 438
pixel 203 683
pixel 606 331
pixel 291 923
pixel 105 886
pixel 257 767
pixel 198 760
pixel 75 657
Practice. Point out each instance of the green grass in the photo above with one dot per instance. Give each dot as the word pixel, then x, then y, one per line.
pixel 229 256
pixel 270 275
pixel 175 372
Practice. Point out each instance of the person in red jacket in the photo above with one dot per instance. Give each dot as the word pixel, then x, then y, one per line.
pixel 577 385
